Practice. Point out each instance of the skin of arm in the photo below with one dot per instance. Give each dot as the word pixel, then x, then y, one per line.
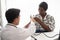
pixel 42 24
pixel 26 26
pixel 32 19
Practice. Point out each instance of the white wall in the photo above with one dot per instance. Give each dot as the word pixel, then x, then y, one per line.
pixel 0 16
pixel 30 7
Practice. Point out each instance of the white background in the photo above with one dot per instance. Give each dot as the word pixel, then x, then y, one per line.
pixel 30 7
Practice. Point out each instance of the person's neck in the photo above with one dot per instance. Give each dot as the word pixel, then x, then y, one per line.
pixel 12 24
pixel 43 15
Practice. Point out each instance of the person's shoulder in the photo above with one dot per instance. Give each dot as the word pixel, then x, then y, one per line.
pixel 49 16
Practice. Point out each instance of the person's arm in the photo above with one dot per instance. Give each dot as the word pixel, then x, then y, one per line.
pixel 46 27
pixel 30 30
pixel 26 26
pixel 26 32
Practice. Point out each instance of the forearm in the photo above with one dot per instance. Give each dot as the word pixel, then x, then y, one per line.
pixel 45 26
pixel 42 24
pixel 26 26
pixel 31 30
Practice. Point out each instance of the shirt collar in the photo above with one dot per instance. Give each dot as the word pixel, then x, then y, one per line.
pixel 44 17
pixel 12 24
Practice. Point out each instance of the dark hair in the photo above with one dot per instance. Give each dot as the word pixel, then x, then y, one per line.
pixel 11 14
pixel 44 5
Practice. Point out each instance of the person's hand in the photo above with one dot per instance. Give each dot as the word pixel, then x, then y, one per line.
pixel 32 19
pixel 37 19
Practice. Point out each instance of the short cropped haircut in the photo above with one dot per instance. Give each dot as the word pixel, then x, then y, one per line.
pixel 11 14
pixel 44 5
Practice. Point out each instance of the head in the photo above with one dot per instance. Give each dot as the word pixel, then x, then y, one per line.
pixel 43 6
pixel 12 16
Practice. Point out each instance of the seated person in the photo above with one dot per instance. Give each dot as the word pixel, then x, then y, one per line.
pixel 11 31
pixel 44 22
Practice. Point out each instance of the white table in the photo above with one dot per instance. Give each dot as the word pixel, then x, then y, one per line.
pixel 43 37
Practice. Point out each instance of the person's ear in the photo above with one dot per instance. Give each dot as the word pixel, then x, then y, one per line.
pixel 15 19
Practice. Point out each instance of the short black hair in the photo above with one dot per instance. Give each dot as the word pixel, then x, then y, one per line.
pixel 11 14
pixel 44 5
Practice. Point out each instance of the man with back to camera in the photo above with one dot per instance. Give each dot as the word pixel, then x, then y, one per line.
pixel 44 22
pixel 11 32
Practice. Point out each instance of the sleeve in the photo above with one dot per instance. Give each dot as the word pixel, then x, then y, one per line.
pixel 51 23
pixel 29 31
